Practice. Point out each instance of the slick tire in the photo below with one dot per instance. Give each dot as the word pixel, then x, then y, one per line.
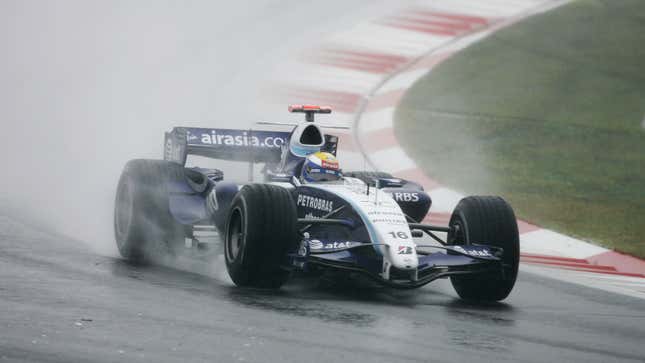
pixel 486 220
pixel 144 229
pixel 261 228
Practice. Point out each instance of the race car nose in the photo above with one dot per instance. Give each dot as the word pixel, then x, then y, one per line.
pixel 404 257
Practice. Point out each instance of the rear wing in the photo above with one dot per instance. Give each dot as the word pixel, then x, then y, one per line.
pixel 256 146
pixel 227 144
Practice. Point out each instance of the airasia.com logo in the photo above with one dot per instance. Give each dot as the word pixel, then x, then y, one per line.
pixel 243 139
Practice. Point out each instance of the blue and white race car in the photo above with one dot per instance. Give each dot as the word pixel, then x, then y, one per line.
pixel 308 215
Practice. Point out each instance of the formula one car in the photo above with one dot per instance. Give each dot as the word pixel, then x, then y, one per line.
pixel 307 215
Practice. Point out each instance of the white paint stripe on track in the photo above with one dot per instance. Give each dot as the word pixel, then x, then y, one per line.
pixel 392 160
pixel 332 78
pixel 444 200
pixel 337 118
pixel 352 160
pixel 402 81
pixel 545 242
pixel 626 281
pixel 376 120
pixel 480 8
pixel 387 39
pixel 588 279
pixel 466 40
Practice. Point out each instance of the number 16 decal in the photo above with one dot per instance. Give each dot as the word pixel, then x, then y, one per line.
pixel 400 234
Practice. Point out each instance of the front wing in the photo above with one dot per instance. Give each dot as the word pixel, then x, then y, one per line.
pixel 456 260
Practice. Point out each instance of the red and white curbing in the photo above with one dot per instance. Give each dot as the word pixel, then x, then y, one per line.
pixel 364 72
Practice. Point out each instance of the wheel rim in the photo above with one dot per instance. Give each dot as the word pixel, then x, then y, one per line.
pixel 124 207
pixel 235 236
pixel 457 233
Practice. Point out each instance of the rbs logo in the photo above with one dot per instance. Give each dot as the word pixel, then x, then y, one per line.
pixel 406 197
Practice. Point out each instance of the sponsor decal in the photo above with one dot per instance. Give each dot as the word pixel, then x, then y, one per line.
pixel 404 250
pixel 316 244
pixel 384 213
pixel 406 197
pixel 172 151
pixel 473 252
pixel 330 164
pixel 308 201
pixel 390 221
pixel 242 138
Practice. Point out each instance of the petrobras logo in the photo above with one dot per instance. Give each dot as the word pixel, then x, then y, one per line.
pixel 237 138
pixel 308 201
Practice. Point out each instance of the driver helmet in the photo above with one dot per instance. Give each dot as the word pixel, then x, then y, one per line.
pixel 321 167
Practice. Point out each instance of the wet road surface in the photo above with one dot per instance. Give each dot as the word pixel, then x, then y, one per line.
pixel 60 302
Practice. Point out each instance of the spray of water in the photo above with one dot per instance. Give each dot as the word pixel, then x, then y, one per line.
pixel 86 85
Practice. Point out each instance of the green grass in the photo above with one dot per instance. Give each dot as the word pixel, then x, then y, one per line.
pixel 546 113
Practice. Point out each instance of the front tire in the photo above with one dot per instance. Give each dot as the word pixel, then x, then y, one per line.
pixel 261 228
pixel 491 221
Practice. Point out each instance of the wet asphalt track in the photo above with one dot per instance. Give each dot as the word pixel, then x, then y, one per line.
pixel 60 302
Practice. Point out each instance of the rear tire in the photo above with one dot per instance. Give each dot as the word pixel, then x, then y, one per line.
pixel 144 229
pixel 491 221
pixel 261 228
